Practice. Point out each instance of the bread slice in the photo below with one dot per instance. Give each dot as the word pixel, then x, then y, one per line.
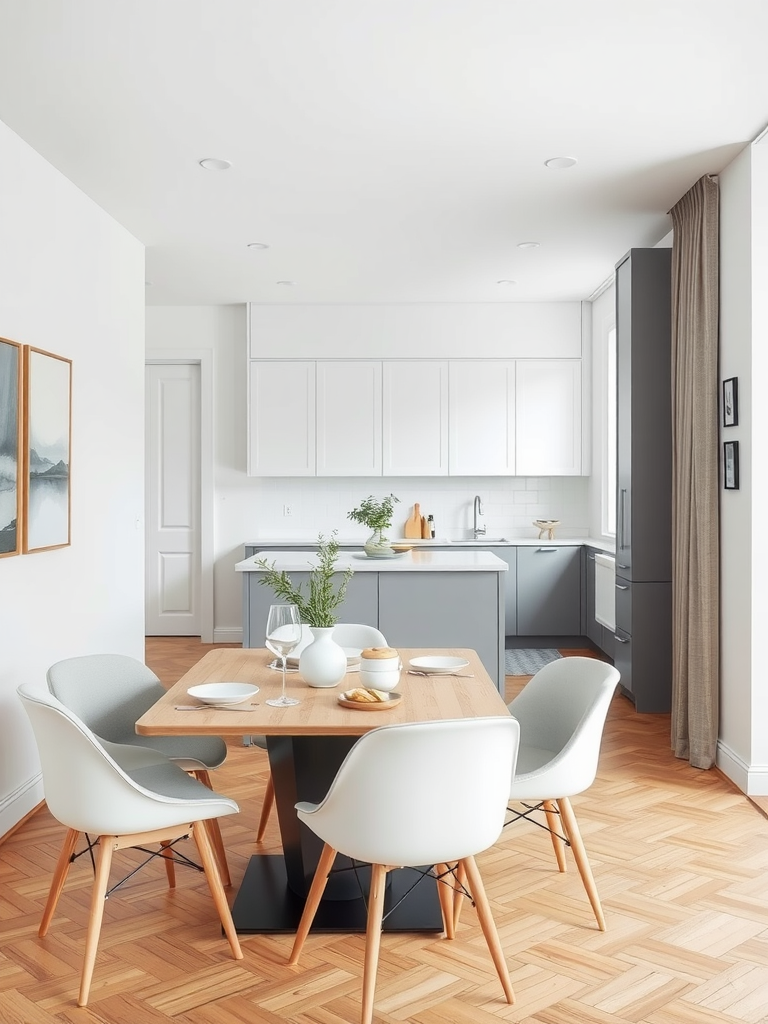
pixel 366 695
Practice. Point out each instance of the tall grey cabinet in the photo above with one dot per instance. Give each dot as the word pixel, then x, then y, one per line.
pixel 643 652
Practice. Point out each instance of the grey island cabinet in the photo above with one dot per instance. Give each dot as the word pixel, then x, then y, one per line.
pixel 439 599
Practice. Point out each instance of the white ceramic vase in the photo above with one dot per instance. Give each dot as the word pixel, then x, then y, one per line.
pixel 322 662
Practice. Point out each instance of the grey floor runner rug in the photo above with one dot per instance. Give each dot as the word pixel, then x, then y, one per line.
pixel 526 662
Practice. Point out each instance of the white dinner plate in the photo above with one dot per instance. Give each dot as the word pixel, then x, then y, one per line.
pixel 438 665
pixel 223 693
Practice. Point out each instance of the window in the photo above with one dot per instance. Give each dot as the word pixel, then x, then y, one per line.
pixel 609 436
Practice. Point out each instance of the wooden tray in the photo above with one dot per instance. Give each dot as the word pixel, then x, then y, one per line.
pixel 379 705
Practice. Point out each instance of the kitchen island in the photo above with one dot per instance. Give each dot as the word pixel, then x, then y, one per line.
pixel 422 598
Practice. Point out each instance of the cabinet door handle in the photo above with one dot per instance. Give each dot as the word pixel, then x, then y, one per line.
pixel 622 496
pixel 591 558
pixel 621 588
pixel 622 566
pixel 547 549
pixel 619 640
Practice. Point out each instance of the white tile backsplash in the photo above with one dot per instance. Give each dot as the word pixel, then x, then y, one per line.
pixel 320 505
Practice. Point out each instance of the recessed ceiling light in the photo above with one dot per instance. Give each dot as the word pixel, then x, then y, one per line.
pixel 559 163
pixel 212 163
pixel 528 245
pixel 287 284
pixel 258 245
pixel 506 282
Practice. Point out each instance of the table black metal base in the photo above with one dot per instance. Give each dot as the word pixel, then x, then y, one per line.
pixel 265 903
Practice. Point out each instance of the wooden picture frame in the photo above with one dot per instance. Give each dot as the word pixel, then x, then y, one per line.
pixel 731 465
pixel 47 450
pixel 11 476
pixel 731 402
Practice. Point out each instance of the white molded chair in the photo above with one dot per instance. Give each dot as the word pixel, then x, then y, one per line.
pixel 357 634
pixel 425 793
pixel 109 693
pixel 345 634
pixel 562 712
pixel 86 789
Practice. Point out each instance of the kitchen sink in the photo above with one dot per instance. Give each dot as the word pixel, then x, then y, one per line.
pixel 483 540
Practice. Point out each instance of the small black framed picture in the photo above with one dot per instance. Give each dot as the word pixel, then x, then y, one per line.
pixel 731 402
pixel 731 465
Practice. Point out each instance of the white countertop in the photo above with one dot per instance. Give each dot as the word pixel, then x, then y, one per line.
pixel 418 560
pixel 441 542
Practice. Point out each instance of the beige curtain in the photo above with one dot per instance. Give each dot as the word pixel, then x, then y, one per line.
pixel 695 493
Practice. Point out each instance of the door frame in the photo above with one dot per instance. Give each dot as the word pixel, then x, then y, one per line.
pixel 203 358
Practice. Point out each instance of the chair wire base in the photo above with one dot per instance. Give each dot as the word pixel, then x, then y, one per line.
pixel 455 884
pixel 177 858
pixel 531 809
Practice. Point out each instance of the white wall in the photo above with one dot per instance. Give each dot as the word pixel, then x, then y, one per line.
pixel 743 736
pixel 247 509
pixel 72 283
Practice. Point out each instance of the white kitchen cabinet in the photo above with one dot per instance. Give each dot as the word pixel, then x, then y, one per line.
pixel 349 418
pixel 415 417
pixel 281 418
pixel 481 417
pixel 548 417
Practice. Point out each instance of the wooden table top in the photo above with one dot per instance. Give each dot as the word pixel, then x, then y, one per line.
pixel 424 698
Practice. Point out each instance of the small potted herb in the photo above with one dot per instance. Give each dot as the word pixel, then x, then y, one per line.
pixel 376 514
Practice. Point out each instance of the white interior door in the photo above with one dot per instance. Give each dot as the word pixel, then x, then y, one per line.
pixel 173 556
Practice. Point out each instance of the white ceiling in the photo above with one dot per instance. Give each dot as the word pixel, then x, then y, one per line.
pixel 385 150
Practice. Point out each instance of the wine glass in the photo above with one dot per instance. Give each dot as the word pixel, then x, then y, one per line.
pixel 283 634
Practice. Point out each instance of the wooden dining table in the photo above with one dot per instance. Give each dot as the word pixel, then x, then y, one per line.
pixel 306 745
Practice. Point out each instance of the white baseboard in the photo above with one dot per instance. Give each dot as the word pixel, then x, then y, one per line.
pixel 17 805
pixel 751 779
pixel 228 635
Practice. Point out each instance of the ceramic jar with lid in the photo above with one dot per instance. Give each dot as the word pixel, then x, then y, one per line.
pixel 380 667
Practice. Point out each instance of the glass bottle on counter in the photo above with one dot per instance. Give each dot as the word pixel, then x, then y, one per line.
pixel 431 526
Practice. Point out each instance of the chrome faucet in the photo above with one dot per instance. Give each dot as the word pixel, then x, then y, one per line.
pixel 479 531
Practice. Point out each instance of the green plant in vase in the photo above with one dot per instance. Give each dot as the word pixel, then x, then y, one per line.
pixel 376 514
pixel 322 662
pixel 317 606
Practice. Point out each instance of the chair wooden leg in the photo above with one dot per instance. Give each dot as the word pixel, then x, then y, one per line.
pixel 488 925
pixel 266 808
pixel 316 890
pixel 373 938
pixel 214 834
pixel 170 867
pixel 211 868
pixel 458 896
pixel 98 896
pixel 580 856
pixel 554 826
pixel 59 878
pixel 445 893
pixel 214 831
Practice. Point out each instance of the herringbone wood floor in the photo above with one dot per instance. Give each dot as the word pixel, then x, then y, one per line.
pixel 680 858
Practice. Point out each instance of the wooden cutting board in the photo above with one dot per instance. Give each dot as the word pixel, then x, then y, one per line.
pixel 425 531
pixel 412 528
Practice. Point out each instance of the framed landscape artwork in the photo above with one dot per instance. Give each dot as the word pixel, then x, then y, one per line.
pixel 47 442
pixel 10 448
